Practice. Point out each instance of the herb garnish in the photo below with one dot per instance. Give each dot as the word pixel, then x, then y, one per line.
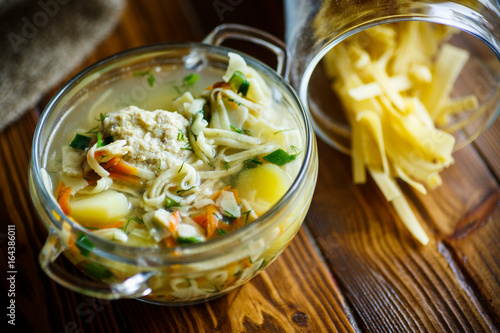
pixel 234 101
pixel 188 189
pixel 239 83
pixel 239 130
pixel 136 219
pixel 284 130
pixel 151 79
pixel 187 82
pixel 84 244
pixel 280 157
pixel 188 240
pixel 187 147
pixel 80 142
pixel 247 213
pixel 180 136
pixel 221 232
pixel 169 202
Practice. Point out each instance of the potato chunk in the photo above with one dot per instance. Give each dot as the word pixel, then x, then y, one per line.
pixel 99 210
pixel 264 185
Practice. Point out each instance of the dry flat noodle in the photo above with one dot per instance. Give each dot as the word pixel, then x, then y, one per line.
pixel 394 82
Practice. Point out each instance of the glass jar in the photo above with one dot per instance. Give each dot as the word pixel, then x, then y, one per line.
pixel 314 27
pixel 180 275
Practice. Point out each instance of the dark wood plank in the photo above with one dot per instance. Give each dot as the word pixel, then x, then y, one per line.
pixel 488 146
pixel 392 282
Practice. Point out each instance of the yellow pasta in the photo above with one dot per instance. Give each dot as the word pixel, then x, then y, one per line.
pixel 394 83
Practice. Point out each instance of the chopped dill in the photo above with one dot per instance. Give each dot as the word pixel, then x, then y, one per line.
pixel 229 214
pixel 239 130
pixel 150 77
pixel 284 130
pixel 247 213
pixel 221 232
pixel 232 100
pixel 180 136
pixel 136 219
pixel 188 189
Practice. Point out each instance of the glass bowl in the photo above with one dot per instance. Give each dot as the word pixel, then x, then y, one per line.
pixel 315 27
pixel 169 276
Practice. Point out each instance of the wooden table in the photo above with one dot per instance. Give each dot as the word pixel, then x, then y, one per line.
pixel 352 267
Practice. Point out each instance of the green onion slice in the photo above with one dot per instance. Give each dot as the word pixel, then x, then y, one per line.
pixel 188 240
pixel 280 157
pixel 238 82
pixel 80 142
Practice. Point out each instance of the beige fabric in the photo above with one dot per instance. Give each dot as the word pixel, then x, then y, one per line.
pixel 41 41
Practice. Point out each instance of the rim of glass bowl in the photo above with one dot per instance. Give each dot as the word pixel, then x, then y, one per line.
pixel 192 252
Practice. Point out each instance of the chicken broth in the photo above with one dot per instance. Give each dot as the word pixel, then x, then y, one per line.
pixel 165 157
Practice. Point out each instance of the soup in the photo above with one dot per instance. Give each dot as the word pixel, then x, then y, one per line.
pixel 165 157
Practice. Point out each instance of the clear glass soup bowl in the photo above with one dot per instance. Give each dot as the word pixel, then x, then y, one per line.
pixel 167 276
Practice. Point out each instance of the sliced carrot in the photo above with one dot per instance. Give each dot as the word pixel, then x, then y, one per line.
pixel 124 168
pixel 175 218
pixel 173 221
pixel 217 194
pixel 169 241
pixel 212 220
pixel 200 219
pixel 246 262
pixel 112 162
pixel 62 194
pixel 118 224
pixel 126 178
pixel 221 84
pixel 99 153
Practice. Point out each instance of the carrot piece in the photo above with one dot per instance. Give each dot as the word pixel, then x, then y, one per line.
pixel 62 194
pixel 126 178
pixel 212 220
pixel 99 153
pixel 208 220
pixel 221 84
pixel 217 194
pixel 173 221
pixel 200 219
pixel 175 218
pixel 169 241
pixel 118 224
pixel 112 162
pixel 246 262
pixel 124 168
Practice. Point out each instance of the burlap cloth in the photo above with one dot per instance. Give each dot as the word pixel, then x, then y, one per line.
pixel 41 41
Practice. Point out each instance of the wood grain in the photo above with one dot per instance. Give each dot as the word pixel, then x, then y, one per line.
pixel 393 283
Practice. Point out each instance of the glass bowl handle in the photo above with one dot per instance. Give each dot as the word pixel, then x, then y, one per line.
pixel 246 33
pixel 135 286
